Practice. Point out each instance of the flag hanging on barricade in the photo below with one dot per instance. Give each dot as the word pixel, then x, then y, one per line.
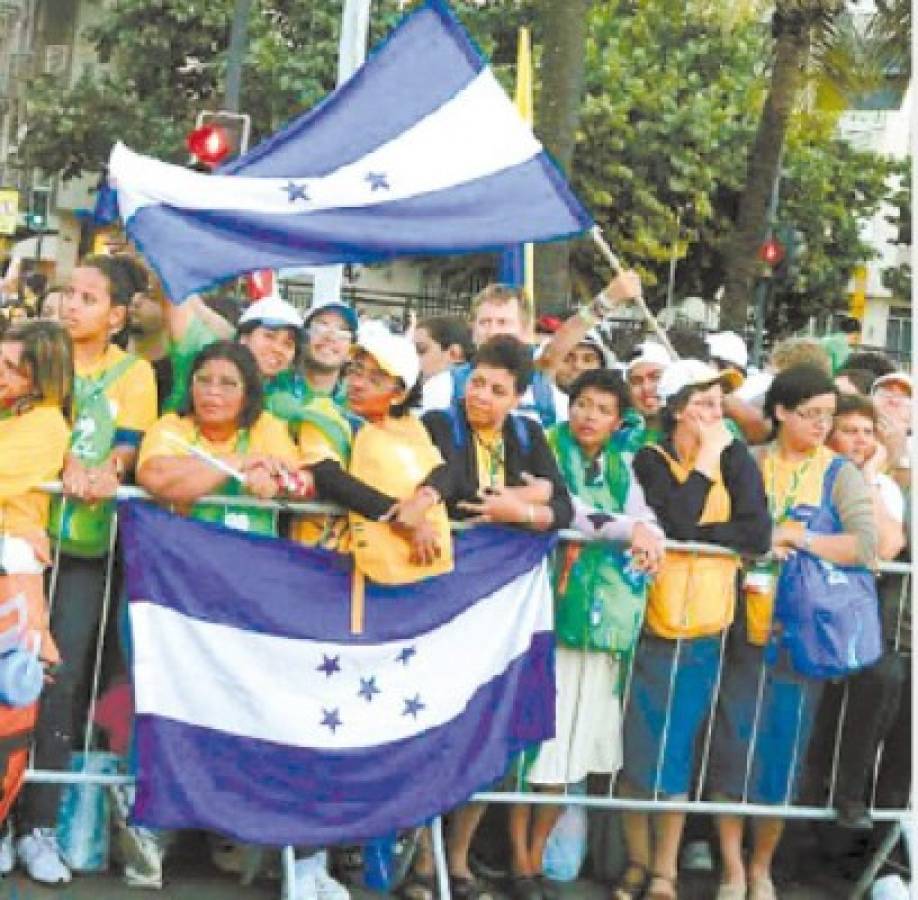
pixel 260 715
pixel 420 152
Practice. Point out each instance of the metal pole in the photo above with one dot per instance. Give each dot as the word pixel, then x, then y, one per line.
pixel 763 286
pixel 235 55
pixel 671 284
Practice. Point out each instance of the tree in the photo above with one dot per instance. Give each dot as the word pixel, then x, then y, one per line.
pixel 799 28
pixel 563 28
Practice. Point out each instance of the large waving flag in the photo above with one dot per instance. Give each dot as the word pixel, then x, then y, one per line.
pixel 420 152
pixel 259 715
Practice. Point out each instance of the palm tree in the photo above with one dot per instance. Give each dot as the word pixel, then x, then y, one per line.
pixel 802 30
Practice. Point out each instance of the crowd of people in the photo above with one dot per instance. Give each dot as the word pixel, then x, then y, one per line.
pixel 671 676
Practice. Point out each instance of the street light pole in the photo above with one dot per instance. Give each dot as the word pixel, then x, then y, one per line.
pixel 235 55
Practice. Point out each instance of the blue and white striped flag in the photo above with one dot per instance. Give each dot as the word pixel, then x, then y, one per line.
pixel 260 716
pixel 420 152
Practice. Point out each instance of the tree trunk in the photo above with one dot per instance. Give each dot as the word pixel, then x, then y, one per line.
pixel 741 263
pixel 564 26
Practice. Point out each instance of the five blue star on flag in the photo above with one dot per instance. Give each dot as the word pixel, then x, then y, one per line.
pixel 413 706
pixel 378 181
pixel 329 665
pixel 406 655
pixel 368 688
pixel 295 192
pixel 331 719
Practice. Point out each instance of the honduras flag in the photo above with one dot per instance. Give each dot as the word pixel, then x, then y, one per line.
pixel 260 716
pixel 420 152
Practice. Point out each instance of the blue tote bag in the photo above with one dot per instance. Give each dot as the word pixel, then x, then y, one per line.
pixel 828 616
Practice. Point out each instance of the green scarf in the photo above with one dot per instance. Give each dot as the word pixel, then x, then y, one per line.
pixel 596 607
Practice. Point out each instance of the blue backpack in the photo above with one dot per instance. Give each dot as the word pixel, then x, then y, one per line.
pixel 542 393
pixel 459 429
pixel 827 616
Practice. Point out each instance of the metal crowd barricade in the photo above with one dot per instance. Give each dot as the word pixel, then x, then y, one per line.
pixel 901 818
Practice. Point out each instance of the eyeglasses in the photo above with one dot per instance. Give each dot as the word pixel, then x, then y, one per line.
pixel 223 384
pixel 893 398
pixel 816 415
pixel 377 378
pixel 321 330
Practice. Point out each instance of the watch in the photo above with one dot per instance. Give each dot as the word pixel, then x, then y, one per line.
pixel 807 542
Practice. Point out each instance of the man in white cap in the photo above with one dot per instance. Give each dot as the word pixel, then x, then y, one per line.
pixel 728 351
pixel 643 373
pixel 330 329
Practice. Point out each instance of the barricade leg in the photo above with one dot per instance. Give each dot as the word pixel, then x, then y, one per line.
pixel 439 851
pixel 880 857
pixel 288 862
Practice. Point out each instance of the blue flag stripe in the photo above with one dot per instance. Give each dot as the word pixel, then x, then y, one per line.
pixel 377 103
pixel 263 793
pixel 289 590
pixel 482 215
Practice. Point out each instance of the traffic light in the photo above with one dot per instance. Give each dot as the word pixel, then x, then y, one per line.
pixel 218 137
pixel 37 215
pixel 771 253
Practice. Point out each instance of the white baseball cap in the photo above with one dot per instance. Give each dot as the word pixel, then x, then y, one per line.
pixel 900 378
pixel 273 312
pixel 650 352
pixel 394 353
pixel 685 373
pixel 729 347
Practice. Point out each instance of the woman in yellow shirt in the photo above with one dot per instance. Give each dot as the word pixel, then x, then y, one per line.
pixel 249 451
pixel 36 386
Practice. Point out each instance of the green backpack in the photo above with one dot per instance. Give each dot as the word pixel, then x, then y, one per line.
pixel 84 529
pixel 598 606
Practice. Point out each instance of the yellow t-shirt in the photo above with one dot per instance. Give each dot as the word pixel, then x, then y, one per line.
pixel 132 395
pixel 268 436
pixel 32 450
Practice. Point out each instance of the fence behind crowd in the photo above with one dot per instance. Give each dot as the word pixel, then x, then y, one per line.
pixel 516 789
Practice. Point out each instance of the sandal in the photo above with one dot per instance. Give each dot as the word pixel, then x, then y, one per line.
pixel 667 893
pixel 418 886
pixel 462 888
pixel 629 887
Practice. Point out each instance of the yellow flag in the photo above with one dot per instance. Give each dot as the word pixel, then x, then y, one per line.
pixel 524 105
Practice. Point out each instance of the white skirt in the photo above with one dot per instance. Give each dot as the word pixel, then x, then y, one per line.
pixel 588 724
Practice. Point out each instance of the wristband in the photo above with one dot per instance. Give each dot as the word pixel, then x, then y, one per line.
pixel 807 542
pixel 530 514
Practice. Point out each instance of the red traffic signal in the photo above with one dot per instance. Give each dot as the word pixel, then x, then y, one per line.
pixel 209 144
pixel 771 252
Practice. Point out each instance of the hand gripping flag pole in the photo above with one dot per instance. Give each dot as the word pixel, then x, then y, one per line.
pixel 616 265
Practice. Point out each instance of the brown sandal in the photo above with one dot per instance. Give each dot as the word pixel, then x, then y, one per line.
pixel 629 887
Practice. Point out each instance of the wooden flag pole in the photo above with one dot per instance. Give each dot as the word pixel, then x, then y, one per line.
pixel 358 595
pixel 617 267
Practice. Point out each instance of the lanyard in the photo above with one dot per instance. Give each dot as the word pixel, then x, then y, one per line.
pixel 791 496
pixel 495 453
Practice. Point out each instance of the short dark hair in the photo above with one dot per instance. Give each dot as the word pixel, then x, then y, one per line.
pixel 241 357
pixel 136 271
pixel 794 386
pixel 676 403
pixel 605 380
pixel 505 352
pixel 855 404
pixel 446 331
pixel 862 379
pixel 120 279
pixel 878 363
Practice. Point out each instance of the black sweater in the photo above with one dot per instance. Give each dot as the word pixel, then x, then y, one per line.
pixel 532 456
pixel 679 506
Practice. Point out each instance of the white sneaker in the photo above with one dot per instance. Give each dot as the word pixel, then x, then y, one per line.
pixel 40 854
pixel 7 849
pixel 304 880
pixel 327 888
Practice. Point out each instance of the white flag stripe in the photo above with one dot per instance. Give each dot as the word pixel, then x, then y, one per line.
pixel 477 133
pixel 211 671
